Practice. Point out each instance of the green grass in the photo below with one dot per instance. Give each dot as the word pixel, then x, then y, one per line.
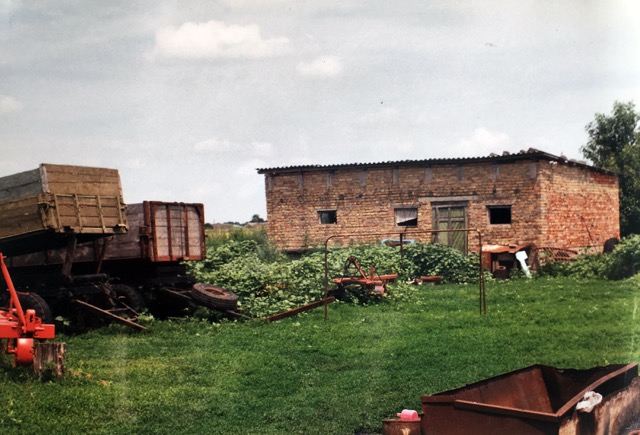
pixel 309 376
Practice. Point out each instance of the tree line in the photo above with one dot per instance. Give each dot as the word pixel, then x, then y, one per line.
pixel 613 144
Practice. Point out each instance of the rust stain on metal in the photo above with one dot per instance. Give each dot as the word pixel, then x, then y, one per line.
pixel 370 283
pixel 536 400
pixel 301 309
pixel 402 235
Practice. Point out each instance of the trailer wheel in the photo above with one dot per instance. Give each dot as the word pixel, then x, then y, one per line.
pixel 32 301
pixel 129 296
pixel 211 296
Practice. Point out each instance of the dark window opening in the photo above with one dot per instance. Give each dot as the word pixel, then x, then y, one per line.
pixel 406 217
pixel 500 215
pixel 328 217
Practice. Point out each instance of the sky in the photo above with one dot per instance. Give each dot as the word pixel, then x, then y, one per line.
pixel 187 99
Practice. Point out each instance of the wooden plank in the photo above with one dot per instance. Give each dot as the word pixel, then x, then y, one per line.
pixel 81 180
pixel 16 188
pixel 80 199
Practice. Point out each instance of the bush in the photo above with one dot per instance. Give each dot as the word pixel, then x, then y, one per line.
pixel 624 261
pixel 268 282
pixel 434 259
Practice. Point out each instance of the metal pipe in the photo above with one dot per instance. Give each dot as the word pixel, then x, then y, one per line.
pixel 15 301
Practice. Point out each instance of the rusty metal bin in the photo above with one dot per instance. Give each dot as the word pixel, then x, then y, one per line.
pixel 536 400
pixel 400 427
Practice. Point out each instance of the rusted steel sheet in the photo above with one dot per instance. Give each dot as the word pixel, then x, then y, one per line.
pixel 536 400
pixel 39 207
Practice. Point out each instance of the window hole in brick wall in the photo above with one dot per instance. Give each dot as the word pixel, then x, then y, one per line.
pixel 499 214
pixel 406 217
pixel 328 216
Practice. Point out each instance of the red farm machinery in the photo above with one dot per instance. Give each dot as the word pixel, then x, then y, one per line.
pixel 18 327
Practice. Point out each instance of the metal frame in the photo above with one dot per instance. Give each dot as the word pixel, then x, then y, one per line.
pixel 482 291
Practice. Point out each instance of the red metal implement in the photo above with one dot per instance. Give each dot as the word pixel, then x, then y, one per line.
pixel 19 327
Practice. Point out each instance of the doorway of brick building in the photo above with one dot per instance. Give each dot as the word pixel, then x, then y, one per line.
pixel 450 217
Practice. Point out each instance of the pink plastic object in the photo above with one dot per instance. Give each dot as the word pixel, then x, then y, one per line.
pixel 408 415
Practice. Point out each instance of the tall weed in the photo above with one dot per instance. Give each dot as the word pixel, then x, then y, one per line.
pixel 623 262
pixel 268 282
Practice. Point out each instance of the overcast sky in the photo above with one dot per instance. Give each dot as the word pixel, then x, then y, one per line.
pixel 187 98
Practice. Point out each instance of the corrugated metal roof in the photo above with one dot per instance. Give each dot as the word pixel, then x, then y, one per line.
pixel 530 154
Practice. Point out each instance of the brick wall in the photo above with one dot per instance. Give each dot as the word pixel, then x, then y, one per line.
pixel 551 204
pixel 581 208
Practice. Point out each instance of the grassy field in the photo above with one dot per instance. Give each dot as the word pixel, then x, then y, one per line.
pixel 309 376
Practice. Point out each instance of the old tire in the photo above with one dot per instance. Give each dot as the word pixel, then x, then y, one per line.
pixel 32 301
pixel 129 296
pixel 215 297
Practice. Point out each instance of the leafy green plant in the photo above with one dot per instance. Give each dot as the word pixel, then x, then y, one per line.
pixel 268 282
pixel 588 267
pixel 624 261
pixel 435 259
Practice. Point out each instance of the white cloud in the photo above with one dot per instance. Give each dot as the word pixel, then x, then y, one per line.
pixel 253 4
pixel 325 66
pixel 9 6
pixel 383 115
pixel 215 145
pixel 215 39
pixel 9 105
pixel 483 142
pixel 223 146
pixel 135 163
pixel 261 148
pixel 248 168
pixel 248 184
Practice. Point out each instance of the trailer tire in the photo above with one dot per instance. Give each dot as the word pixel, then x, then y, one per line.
pixel 32 301
pixel 129 296
pixel 215 297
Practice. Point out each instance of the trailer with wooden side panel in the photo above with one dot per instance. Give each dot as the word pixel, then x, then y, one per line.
pixel 146 265
pixel 41 208
pixel 59 207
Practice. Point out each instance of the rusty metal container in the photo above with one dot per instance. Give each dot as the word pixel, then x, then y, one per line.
pixel 537 400
pixel 39 207
pixel 400 427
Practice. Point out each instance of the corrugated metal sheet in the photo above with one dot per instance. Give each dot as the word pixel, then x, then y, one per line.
pixel 529 154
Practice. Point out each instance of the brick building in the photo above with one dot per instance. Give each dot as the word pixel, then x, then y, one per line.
pixel 528 198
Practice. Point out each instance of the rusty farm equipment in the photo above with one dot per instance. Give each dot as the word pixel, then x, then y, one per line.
pixel 361 284
pixel 19 327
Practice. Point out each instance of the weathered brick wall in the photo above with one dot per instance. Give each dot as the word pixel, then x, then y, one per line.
pixel 549 202
pixel 580 207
